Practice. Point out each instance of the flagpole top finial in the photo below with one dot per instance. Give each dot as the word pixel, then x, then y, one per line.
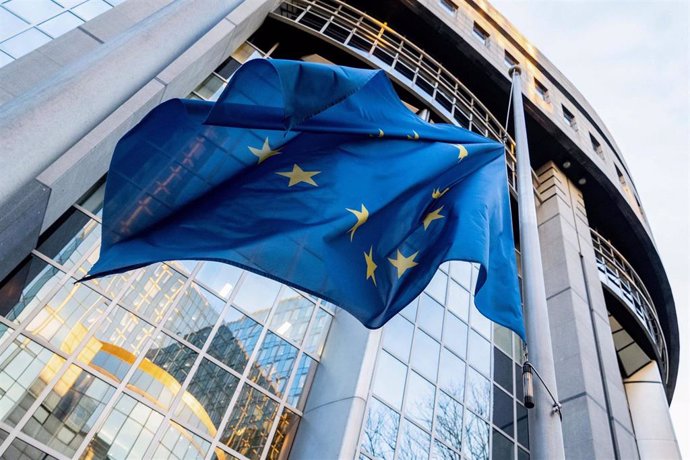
pixel 513 69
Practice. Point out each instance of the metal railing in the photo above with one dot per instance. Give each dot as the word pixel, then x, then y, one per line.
pixel 371 40
pixel 616 273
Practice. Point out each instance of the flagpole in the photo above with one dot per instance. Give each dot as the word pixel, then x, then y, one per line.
pixel 546 435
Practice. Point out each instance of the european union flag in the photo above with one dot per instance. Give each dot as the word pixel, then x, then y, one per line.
pixel 319 177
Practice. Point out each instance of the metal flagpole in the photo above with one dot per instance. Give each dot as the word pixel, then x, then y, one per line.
pixel 546 435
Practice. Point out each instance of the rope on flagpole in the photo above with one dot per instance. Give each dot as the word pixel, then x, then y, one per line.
pixel 510 100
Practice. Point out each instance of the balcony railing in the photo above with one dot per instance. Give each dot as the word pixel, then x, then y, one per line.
pixel 371 40
pixel 621 279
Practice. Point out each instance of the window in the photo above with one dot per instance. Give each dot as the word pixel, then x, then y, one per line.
pixel 481 34
pixel 569 117
pixel 541 90
pixel 596 146
pixel 449 6
pixel 509 60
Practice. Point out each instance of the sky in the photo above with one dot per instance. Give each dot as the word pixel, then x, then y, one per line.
pixel 631 61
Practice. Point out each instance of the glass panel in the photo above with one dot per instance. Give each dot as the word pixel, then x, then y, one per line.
pixel 502 447
pixel 317 334
pixel 419 401
pixel 273 364
pixel 10 24
pixel 153 290
pixel 522 455
pixel 503 370
pixel 256 295
pixel 90 9
pixel 235 340
pixel 250 422
pixel 441 452
pixel 519 395
pixel 165 368
pixel 503 411
pixel 414 443
pixel 410 311
pixel 220 277
pixel 207 398
pixel 425 351
pixel 178 443
pixel 380 431
pixel 478 394
pixel 292 315
pixel 69 411
pixel 126 433
pixel 461 272
pixel 503 339
pixel 94 201
pixel 389 379
pixel 452 374
pixel 115 346
pixel 476 441
pixel 27 287
pixel 517 349
pixel 285 434
pixel 24 43
pixel 297 396
pixel 22 451
pixel 68 316
pixel 27 369
pixel 522 425
pixel 73 238
pixel 458 300
pixel 195 315
pixel 33 11
pixel 449 420
pixel 211 88
pixel 397 337
pixel 455 335
pixel 437 287
pixel 430 316
pixel 479 353
pixel 480 322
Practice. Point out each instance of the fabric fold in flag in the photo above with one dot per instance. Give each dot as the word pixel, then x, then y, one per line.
pixel 319 177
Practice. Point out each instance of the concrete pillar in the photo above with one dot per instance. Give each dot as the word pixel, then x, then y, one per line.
pixel 656 438
pixel 337 401
pixel 596 420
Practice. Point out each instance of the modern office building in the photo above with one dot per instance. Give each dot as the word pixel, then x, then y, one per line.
pixel 202 360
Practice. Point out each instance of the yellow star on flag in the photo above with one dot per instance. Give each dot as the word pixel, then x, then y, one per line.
pixel 462 151
pixel 414 136
pixel 264 152
pixel 371 266
pixel 298 175
pixel 361 216
pixel 438 193
pixel 432 216
pixel 403 263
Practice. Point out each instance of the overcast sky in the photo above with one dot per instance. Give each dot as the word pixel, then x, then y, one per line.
pixel 630 59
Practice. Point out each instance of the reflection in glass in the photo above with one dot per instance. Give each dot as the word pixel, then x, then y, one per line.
pixel 153 290
pixel 442 452
pixel 461 272
pixel 425 351
pixel 479 353
pixel 480 322
pixel 249 425
pixel 414 442
pixel 449 421
pixel 503 411
pixel 256 295
pixel 27 369
pixel 316 338
pixel 397 337
pixel 75 236
pixel 451 376
pixel 285 434
pixel 478 393
pixel 207 397
pixel 273 364
pixel 126 433
pixel 60 24
pixel 476 440
pixel 522 455
pixel 389 379
pixel 455 335
pixel 503 339
pixel 69 411
pixel 27 287
pixel 503 370
pixel 304 375
pixel 380 431
pixel 437 286
pixel 23 451
pixel 178 443
pixel 235 340
pixel 522 425
pixel 410 311
pixel 419 401
pixel 430 316
pixel 502 448
pixel 458 300
pixel 292 315
pixel 195 315
pixel 519 394
pixel 220 277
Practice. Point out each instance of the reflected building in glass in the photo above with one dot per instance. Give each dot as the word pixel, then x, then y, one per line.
pixel 193 359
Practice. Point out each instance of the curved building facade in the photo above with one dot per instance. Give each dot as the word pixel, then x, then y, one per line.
pixel 203 360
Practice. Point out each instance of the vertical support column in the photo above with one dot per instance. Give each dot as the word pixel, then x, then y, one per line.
pixel 650 415
pixel 596 421
pixel 546 436
pixel 337 400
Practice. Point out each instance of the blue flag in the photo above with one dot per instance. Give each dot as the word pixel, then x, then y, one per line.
pixel 319 177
